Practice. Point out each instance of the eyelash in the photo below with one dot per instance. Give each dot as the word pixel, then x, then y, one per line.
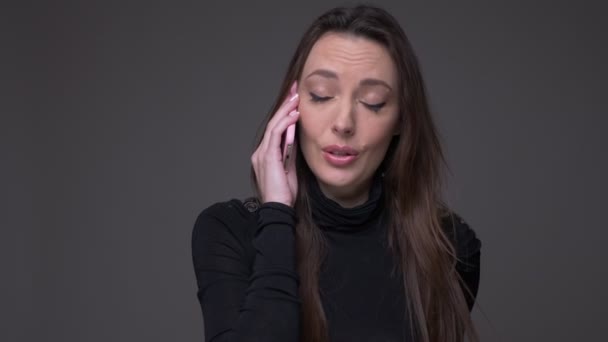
pixel 316 98
pixel 373 107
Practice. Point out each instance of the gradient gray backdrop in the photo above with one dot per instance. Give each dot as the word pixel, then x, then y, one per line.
pixel 122 121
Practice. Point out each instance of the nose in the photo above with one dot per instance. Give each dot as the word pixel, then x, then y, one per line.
pixel 344 121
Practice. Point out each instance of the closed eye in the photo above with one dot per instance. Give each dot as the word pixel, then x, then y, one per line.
pixel 374 107
pixel 316 98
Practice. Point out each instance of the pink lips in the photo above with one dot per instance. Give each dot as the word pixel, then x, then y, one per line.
pixel 340 155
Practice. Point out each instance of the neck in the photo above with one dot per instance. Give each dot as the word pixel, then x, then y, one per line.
pixel 347 197
pixel 346 209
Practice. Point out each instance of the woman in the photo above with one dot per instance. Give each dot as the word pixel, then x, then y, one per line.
pixel 351 242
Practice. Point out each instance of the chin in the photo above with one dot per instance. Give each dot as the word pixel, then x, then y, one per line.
pixel 335 177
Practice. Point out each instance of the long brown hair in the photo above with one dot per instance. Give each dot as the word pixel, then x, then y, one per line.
pixel 413 168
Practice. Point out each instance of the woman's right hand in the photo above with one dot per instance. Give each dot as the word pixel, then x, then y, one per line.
pixel 275 183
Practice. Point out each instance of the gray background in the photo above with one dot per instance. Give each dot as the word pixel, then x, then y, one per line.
pixel 121 121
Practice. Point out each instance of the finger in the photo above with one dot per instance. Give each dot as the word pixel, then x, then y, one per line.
pixel 274 143
pixel 276 133
pixel 279 115
pixel 294 88
pixel 291 104
pixel 287 105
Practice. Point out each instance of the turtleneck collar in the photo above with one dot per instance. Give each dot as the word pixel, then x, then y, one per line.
pixel 330 215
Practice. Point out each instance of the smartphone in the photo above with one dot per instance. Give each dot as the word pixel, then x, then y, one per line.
pixel 289 136
pixel 288 139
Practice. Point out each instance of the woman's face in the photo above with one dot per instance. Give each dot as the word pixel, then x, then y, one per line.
pixel 348 98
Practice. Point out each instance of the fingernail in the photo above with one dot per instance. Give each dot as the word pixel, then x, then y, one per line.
pixel 293 97
pixel 294 113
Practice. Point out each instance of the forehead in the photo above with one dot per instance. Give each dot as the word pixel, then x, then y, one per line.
pixel 351 57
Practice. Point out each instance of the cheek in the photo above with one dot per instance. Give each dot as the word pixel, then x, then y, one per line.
pixel 311 123
pixel 378 136
pixel 306 129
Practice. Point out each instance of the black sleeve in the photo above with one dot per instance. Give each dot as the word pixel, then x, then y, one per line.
pixel 468 249
pixel 240 301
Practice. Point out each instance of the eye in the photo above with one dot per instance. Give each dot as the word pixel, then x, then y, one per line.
pixel 316 98
pixel 374 107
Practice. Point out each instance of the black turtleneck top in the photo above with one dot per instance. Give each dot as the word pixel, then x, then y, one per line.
pixel 244 261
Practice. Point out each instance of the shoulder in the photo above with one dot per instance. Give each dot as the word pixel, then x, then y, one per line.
pixel 229 210
pixel 462 235
pixel 232 220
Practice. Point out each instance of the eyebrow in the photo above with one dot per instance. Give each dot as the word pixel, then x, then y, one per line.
pixel 365 82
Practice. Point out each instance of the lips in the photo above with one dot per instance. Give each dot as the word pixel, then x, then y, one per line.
pixel 341 150
pixel 340 156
